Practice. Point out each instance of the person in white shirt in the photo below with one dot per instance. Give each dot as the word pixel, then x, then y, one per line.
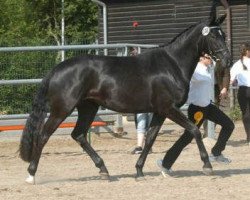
pixel 240 75
pixel 200 108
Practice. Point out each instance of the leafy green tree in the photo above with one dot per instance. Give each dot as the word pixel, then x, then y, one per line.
pixel 12 24
pixel 35 23
pixel 80 19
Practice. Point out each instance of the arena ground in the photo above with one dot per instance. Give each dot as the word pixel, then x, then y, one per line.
pixel 66 173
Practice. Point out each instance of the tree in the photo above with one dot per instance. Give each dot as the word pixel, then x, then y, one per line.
pixel 80 19
pixel 35 23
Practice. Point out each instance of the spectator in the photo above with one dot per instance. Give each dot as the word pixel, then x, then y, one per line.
pixel 142 122
pixel 240 75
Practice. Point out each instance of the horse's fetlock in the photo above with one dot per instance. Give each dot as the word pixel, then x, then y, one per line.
pixel 32 169
pixel 204 156
pixel 99 163
pixel 138 166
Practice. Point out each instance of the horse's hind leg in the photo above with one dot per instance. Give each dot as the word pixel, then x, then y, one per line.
pixel 49 127
pixel 86 114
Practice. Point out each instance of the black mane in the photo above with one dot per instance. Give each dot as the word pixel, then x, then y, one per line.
pixel 178 35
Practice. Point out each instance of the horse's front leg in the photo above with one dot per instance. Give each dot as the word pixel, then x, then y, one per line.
pixel 155 126
pixel 178 117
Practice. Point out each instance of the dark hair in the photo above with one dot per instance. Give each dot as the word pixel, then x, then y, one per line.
pixel 243 50
pixel 203 54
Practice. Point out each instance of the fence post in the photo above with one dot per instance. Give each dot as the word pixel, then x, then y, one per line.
pixel 231 96
pixel 211 125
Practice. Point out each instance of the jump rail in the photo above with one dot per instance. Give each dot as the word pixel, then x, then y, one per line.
pixel 63 125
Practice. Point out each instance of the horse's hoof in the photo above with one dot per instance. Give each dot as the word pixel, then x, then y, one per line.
pixel 105 176
pixel 30 180
pixel 208 171
pixel 140 178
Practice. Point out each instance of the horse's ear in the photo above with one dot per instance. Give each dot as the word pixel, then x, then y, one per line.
pixel 212 16
pixel 221 19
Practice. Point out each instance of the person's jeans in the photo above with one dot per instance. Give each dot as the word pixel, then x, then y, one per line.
pixel 212 113
pixel 143 121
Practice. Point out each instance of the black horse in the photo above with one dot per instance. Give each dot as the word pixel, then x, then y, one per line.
pixel 155 81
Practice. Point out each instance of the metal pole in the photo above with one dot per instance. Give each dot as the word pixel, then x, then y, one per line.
pixel 211 125
pixel 229 43
pixel 62 32
pixel 75 47
pixel 105 29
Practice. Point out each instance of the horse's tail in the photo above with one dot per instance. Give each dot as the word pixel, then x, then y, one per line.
pixel 34 123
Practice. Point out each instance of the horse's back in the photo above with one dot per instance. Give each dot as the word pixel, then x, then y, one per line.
pixel 125 84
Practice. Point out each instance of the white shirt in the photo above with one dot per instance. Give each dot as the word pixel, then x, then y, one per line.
pixel 237 72
pixel 200 86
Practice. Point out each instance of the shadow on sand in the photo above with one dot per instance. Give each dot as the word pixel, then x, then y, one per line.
pixel 176 174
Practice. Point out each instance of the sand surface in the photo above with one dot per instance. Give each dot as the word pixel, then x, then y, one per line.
pixel 66 173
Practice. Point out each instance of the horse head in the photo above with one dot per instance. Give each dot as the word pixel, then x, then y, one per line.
pixel 214 39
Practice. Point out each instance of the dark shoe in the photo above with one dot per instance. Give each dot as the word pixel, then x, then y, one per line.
pixel 137 150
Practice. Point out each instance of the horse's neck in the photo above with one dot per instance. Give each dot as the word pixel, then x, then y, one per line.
pixel 186 52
